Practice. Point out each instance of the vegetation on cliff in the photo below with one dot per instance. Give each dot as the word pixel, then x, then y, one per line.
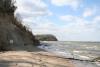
pixel 7 7
pixel 13 35
pixel 46 37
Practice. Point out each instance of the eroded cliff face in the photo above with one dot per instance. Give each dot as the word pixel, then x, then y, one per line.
pixel 13 35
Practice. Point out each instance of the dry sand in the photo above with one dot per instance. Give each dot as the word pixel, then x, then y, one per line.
pixel 32 59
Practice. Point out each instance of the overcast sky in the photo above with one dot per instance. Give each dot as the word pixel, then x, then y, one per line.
pixel 68 20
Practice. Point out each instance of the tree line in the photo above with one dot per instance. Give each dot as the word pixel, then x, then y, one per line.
pixel 7 6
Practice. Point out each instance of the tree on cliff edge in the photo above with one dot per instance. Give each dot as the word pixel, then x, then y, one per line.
pixel 7 6
pixel 13 35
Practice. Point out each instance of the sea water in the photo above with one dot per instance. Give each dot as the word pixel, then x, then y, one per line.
pixel 78 50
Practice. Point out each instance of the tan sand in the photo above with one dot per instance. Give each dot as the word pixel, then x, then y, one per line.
pixel 32 59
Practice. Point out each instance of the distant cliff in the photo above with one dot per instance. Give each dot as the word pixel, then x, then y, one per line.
pixel 13 35
pixel 46 37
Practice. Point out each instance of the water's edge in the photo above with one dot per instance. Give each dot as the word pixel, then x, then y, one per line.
pixel 80 53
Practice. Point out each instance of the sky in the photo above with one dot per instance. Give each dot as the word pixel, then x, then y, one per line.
pixel 68 20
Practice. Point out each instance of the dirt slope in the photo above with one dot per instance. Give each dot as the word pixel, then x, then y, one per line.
pixel 13 34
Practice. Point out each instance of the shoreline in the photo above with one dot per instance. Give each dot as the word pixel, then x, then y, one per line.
pixel 35 58
pixel 24 58
pixel 41 58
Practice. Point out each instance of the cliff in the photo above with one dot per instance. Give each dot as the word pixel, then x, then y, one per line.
pixel 13 35
pixel 46 37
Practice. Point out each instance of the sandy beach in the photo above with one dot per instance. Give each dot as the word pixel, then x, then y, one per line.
pixel 32 59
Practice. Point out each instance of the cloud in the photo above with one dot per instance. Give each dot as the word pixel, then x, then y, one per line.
pixel 96 23
pixel 35 12
pixel 29 8
pixel 78 28
pixel 68 18
pixel 80 24
pixel 89 12
pixel 32 12
pixel 97 19
pixel 72 3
